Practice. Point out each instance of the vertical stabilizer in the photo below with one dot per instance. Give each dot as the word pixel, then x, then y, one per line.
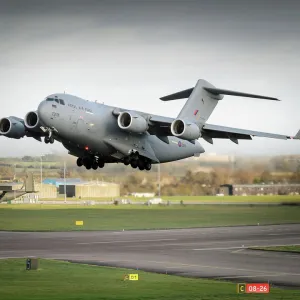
pixel 200 104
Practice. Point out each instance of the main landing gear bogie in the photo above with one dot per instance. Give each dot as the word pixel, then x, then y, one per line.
pixel 137 161
pixel 90 162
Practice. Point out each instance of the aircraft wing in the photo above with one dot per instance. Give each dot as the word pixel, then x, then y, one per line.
pixel 234 134
pixel 160 126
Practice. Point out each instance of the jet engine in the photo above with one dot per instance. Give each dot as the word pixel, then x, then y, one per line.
pixel 132 122
pixel 186 131
pixel 12 128
pixel 32 120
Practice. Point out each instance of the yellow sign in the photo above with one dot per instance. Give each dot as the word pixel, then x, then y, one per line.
pixel 79 223
pixel 241 288
pixel 133 276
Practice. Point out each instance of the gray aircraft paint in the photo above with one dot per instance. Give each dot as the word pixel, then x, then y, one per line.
pixel 91 124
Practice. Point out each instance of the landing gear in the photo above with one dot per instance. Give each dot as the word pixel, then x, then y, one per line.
pixel 134 164
pixel 87 162
pixel 95 165
pixel 126 161
pixel 49 138
pixel 79 162
pixel 141 164
pixel 90 162
pixel 137 161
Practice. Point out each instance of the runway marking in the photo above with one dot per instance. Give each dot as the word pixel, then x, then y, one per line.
pixel 219 248
pixel 129 241
pixel 215 267
pixel 247 276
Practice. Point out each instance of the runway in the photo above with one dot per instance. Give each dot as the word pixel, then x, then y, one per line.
pixel 219 253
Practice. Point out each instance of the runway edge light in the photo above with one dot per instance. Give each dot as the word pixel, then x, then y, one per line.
pixel 79 223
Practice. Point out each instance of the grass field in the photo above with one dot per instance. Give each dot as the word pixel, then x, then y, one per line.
pixel 109 217
pixel 62 280
pixel 292 248
pixel 212 199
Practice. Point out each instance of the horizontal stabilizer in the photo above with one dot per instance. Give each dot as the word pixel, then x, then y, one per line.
pixel 186 94
pixel 179 95
pixel 233 93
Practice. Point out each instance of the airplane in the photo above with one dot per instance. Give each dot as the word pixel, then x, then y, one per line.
pixel 8 194
pixel 97 134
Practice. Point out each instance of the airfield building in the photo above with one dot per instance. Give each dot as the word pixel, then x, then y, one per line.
pixel 259 189
pixel 76 188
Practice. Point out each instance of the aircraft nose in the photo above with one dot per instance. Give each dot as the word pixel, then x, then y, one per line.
pixel 43 111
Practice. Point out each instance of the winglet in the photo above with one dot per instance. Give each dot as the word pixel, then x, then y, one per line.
pixel 297 136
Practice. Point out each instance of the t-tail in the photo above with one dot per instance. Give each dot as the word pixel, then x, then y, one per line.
pixel 202 100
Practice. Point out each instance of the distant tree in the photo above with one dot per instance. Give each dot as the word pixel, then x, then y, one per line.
pixel 27 158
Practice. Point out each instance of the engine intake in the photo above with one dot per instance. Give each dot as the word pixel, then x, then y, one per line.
pixel 132 122
pixel 186 131
pixel 32 120
pixel 12 128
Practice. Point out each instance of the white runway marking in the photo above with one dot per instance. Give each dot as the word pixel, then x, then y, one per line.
pixel 128 241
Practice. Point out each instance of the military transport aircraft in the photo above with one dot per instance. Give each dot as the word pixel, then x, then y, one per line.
pixel 97 134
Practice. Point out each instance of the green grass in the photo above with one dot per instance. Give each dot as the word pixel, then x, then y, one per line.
pixel 291 248
pixel 62 280
pixel 109 217
pixel 212 199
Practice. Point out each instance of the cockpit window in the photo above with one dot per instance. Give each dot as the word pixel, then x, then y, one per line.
pixel 49 99
pixel 62 102
pixel 56 100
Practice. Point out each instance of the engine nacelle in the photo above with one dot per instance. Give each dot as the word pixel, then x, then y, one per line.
pixel 32 120
pixel 132 122
pixel 186 131
pixel 12 128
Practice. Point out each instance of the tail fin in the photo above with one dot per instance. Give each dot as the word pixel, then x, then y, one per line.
pixel 200 103
pixel 202 100
pixel 29 183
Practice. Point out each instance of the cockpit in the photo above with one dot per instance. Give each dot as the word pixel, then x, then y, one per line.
pixel 59 101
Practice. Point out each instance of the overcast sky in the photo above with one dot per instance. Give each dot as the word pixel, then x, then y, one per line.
pixel 130 53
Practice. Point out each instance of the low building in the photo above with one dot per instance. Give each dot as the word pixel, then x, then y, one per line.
pixel 143 195
pixel 77 188
pixel 97 190
pixel 259 189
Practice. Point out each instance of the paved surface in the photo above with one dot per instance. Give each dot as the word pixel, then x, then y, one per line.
pixel 205 252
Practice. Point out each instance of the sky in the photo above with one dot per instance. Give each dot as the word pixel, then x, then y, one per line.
pixel 131 53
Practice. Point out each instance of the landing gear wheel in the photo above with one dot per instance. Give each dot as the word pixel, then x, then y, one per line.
pixel 134 164
pixel 51 140
pixel 126 161
pixel 79 162
pixel 95 165
pixel 100 164
pixel 87 161
pixel 141 164
pixel 148 166
pixel 47 140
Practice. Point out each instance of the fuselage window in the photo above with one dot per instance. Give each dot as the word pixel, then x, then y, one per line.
pixel 62 102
